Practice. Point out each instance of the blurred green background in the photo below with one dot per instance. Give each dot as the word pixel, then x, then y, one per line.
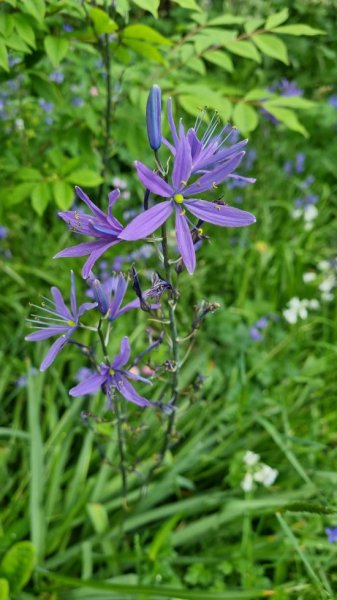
pixel 261 376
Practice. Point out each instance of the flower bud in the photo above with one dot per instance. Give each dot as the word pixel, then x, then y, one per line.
pixel 153 117
pixel 99 295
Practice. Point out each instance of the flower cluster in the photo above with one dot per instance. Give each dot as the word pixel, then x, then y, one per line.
pixel 298 309
pixel 202 159
pixel 257 472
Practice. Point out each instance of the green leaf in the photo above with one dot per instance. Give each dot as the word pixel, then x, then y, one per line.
pixel 29 174
pixel 277 19
pixel 98 517
pixel 150 5
pixel 272 46
pixel 245 117
pixel 287 117
pixel 63 194
pixel 19 193
pixel 41 194
pixel 292 102
pixel 252 25
pixel 102 22
pixel 36 8
pixel 245 49
pixel 212 37
pixel 16 43
pixel 226 20
pixel 145 49
pixel 221 59
pixel 298 30
pixel 56 48
pixel 3 57
pixel 189 4
pixel 24 29
pixel 18 564
pixel 85 177
pixel 258 94
pixel 4 589
pixel 146 33
pixel 197 65
pixel 6 24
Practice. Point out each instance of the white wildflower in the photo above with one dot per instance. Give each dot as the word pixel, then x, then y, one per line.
pixel 309 276
pixel 251 458
pixel 296 309
pixel 323 265
pixel 247 482
pixel 328 283
pixel 266 475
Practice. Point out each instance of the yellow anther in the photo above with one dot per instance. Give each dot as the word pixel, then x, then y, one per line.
pixel 76 215
pixel 200 231
pixel 214 185
pixel 178 198
pixel 182 212
pixel 71 323
pixel 111 372
pixel 183 182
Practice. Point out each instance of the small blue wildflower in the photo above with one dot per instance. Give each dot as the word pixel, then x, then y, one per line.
pixel 56 76
pixel 332 534
pixel 289 88
pixel 262 323
pixel 299 162
pixel 332 100
pixel 255 334
pixel 68 28
pixel 46 106
pixel 3 232
pixel 77 101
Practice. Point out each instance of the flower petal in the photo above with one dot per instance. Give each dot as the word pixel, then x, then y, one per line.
pixel 218 214
pixel 73 303
pixel 45 333
pixel 89 386
pixel 184 241
pixel 127 390
pixel 153 182
pixel 171 121
pixel 83 196
pixel 54 351
pixel 147 222
pixel 215 177
pixel 86 306
pixel 219 156
pixel 77 221
pixel 113 197
pixel 95 255
pixel 122 358
pixel 61 308
pixel 182 164
pixel 118 298
pixel 80 249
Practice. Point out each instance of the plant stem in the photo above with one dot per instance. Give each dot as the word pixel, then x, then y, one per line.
pixel 122 465
pixel 107 126
pixel 175 346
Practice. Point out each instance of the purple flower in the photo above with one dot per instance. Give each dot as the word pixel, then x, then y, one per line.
pixel 83 373
pixel 58 320
pixel 56 76
pixel 181 199
pixel 208 152
pixel 262 323
pixel 111 307
pixel 46 106
pixel 68 28
pixel 153 117
pixel 300 160
pixel 113 376
pixel 77 101
pixel 3 232
pixel 332 534
pixel 332 100
pixel 289 88
pixel 255 334
pixel 104 228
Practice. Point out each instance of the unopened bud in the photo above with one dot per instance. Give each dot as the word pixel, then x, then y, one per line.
pixel 153 117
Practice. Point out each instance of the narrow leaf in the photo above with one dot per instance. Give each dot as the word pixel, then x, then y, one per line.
pixel 272 46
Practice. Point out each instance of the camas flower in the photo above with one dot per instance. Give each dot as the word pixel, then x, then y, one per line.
pixel 180 198
pixel 114 376
pixel 57 319
pixel 210 150
pixel 105 228
pixel 111 307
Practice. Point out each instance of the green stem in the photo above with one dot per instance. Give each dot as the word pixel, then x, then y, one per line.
pixel 108 114
pixel 122 465
pixel 175 346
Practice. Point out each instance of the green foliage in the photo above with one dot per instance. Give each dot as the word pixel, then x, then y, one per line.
pixel 16 568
